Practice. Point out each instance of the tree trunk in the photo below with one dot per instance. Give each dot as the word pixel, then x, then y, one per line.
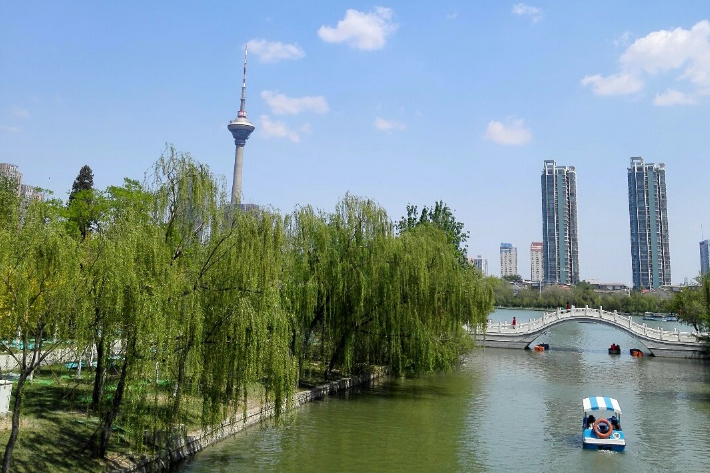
pixel 178 388
pixel 112 413
pixel 100 374
pixel 7 460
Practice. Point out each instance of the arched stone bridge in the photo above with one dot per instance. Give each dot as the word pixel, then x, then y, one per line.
pixel 668 343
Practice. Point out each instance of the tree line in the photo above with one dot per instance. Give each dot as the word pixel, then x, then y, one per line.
pixel 579 295
pixel 187 304
pixel 691 304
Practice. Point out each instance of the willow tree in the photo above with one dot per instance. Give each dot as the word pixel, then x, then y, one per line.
pixel 332 278
pixel 38 291
pixel 247 331
pixel 368 296
pixel 198 308
pixel 121 282
pixel 430 299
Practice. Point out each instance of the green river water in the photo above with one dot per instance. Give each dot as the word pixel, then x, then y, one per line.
pixel 502 410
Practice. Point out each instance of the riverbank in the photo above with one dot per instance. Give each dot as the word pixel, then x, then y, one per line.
pixel 193 443
pixel 56 427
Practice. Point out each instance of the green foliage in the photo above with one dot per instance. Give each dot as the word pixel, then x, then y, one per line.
pixel 38 292
pixel 372 297
pixel 188 305
pixel 692 304
pixel 513 278
pixel 441 217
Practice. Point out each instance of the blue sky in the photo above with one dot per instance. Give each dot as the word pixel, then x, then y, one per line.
pixel 402 102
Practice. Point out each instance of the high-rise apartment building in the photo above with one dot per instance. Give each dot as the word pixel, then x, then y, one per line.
pixel 30 193
pixel 648 217
pixel 560 244
pixel 481 263
pixel 11 171
pixel 24 191
pixel 704 257
pixel 536 267
pixel 508 260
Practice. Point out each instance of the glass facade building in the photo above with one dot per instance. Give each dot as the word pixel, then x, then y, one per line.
pixel 560 244
pixel 704 257
pixel 648 217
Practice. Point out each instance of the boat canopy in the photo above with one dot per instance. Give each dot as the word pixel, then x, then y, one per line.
pixel 600 403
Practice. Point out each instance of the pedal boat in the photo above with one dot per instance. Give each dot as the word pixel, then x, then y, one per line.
pixel 601 425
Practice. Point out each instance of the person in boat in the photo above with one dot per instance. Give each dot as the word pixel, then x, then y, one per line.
pixel 590 421
pixel 615 423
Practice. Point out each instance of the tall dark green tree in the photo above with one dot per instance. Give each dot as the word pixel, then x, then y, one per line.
pixel 84 181
pixel 82 208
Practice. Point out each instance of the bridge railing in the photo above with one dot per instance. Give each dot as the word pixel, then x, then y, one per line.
pixel 540 323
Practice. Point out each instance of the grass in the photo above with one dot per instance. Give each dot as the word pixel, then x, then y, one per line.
pixel 55 425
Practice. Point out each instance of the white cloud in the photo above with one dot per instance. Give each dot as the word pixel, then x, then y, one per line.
pixel 672 97
pixel 274 51
pixel 513 134
pixel 522 9
pixel 685 52
pixel 366 31
pixel 666 50
pixel 283 105
pixel 20 112
pixel 389 125
pixel 277 129
pixel 10 129
pixel 616 84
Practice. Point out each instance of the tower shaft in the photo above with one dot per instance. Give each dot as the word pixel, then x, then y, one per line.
pixel 237 180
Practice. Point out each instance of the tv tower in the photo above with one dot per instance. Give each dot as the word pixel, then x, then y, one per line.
pixel 240 128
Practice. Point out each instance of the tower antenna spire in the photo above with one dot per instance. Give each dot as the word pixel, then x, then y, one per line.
pixel 242 107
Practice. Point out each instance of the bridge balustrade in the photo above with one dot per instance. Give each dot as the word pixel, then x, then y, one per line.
pixel 548 318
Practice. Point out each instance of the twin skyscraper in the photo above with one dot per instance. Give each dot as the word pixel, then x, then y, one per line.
pixel 648 216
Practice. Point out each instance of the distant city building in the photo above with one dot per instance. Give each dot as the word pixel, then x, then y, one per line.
pixel 536 267
pixel 481 263
pixel 608 287
pixel 11 171
pixel 648 218
pixel 24 191
pixel 560 244
pixel 30 193
pixel 704 257
pixel 508 260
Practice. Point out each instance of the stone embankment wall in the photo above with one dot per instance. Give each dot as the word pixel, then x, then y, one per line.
pixel 186 447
